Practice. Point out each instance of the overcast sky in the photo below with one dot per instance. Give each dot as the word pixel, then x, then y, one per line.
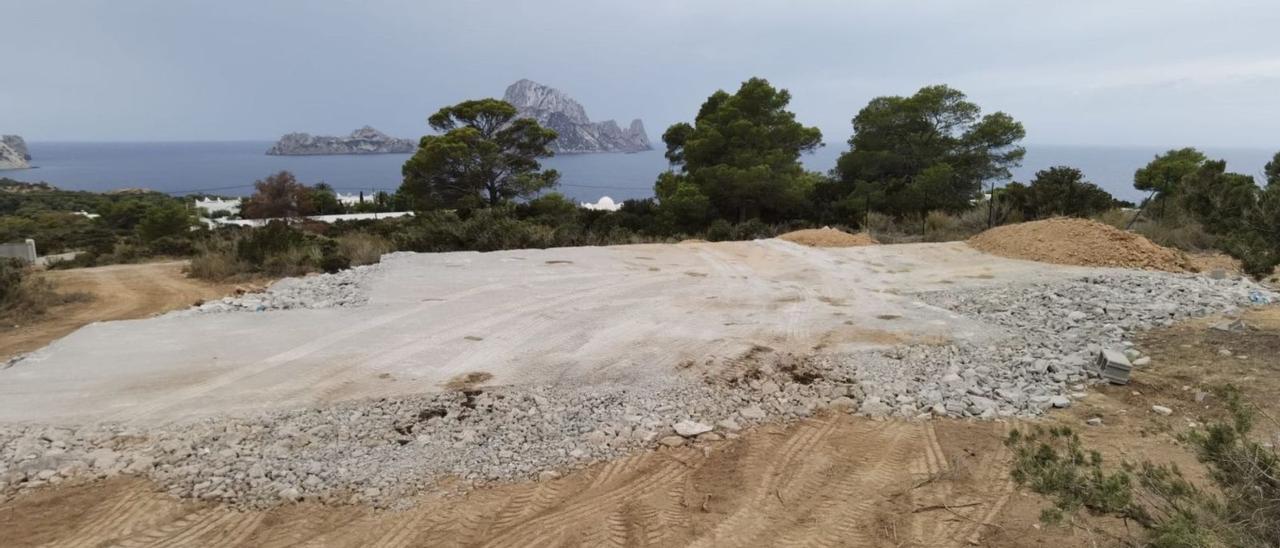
pixel 1116 72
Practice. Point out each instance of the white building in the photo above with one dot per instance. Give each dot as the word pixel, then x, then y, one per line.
pixel 211 206
pixel 351 200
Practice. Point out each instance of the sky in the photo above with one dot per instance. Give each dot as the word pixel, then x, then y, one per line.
pixel 1086 72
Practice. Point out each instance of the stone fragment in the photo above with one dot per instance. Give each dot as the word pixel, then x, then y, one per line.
pixel 1161 410
pixel 1114 366
pixel 690 429
pixel 672 441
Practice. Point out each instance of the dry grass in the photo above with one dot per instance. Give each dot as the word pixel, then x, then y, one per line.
pixel 215 263
pixel 31 297
pixel 363 248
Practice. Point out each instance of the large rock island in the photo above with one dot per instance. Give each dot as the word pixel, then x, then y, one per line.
pixel 578 134
pixel 13 153
pixel 365 140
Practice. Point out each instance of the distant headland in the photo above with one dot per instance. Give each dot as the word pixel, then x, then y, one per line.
pixel 365 140
pixel 13 153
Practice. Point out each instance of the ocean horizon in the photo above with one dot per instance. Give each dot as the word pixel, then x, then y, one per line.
pixel 231 167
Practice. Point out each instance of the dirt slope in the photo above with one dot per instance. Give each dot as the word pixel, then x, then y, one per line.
pixel 121 292
pixel 1079 242
pixel 831 481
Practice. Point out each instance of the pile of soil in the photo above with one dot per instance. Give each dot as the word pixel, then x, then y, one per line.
pixel 828 237
pixel 1080 242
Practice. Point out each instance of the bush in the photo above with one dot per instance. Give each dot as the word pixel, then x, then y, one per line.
pixel 164 221
pixel 719 231
pixel 1243 511
pixel 362 247
pixel 216 261
pixel 23 296
pixel 752 229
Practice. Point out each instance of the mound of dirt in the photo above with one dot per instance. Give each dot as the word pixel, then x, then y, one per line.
pixel 1079 242
pixel 828 237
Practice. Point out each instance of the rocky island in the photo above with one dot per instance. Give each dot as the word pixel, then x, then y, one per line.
pixel 578 134
pixel 365 140
pixel 13 153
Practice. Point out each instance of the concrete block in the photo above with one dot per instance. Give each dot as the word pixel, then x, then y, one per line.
pixel 1114 366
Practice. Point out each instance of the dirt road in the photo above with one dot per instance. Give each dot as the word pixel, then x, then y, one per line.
pixel 815 483
pixel 121 292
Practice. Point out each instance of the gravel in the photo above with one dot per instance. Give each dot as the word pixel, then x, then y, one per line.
pixel 383 451
pixel 342 288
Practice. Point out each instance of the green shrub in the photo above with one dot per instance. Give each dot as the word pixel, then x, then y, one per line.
pixel 1242 511
pixel 752 229
pixel 719 231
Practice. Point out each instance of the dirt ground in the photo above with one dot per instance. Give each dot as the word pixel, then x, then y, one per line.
pixel 1083 242
pixel 120 292
pixel 833 480
pixel 1185 360
pixel 828 481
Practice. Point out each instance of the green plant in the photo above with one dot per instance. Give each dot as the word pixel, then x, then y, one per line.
pixel 1242 510
pixel 719 231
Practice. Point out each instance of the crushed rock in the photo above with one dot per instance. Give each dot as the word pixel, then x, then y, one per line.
pixel 384 451
pixel 344 288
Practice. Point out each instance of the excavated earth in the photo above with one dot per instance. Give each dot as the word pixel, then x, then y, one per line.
pixel 430 374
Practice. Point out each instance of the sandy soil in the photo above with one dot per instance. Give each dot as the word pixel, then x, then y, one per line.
pixel 120 292
pixel 1079 242
pixel 828 481
pixel 828 237
pixel 627 314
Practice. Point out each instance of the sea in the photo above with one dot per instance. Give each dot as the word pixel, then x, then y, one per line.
pixel 229 168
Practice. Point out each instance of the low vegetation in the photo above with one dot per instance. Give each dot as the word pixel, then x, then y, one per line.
pixel 1240 507
pixel 478 185
pixel 24 296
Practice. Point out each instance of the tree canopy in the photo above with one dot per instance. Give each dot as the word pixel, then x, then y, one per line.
pixel 1165 173
pixel 278 196
pixel 1059 190
pixel 740 158
pixel 485 156
pixel 932 150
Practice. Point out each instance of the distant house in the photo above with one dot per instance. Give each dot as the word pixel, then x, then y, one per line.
pixel 319 218
pixel 211 206
pixel 351 200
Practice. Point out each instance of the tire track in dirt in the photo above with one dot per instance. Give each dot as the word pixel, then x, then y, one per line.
pixel 752 518
pixel 120 292
pixel 830 481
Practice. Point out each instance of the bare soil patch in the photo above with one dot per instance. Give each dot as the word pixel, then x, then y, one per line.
pixel 828 237
pixel 827 481
pixel 120 292
pixel 1186 360
pixel 1079 242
